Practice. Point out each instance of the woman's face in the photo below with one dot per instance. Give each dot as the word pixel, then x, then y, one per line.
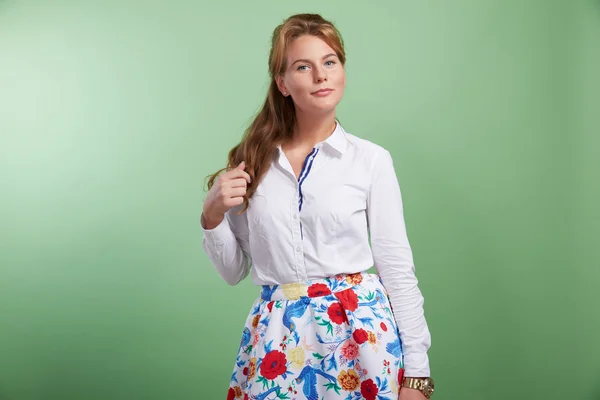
pixel 314 77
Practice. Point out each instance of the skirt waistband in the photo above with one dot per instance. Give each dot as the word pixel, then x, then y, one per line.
pixel 314 287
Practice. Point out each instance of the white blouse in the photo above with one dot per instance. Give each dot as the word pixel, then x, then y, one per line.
pixel 319 226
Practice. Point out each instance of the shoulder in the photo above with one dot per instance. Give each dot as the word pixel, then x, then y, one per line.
pixel 372 153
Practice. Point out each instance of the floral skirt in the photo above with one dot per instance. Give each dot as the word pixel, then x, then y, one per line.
pixel 332 338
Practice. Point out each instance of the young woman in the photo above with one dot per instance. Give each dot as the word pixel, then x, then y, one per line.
pixel 311 208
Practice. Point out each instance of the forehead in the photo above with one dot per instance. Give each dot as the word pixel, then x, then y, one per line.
pixel 308 47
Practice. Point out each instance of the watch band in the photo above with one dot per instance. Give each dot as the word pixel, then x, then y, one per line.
pixel 423 385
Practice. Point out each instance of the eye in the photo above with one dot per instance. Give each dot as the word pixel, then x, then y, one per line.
pixel 302 67
pixel 329 63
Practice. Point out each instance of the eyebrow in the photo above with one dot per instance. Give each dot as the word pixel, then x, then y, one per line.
pixel 308 61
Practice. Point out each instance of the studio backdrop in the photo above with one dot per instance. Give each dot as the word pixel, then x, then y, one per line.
pixel 112 113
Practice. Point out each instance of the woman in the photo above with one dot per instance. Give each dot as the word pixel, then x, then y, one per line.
pixel 299 200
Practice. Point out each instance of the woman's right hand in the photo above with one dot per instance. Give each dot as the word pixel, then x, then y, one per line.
pixel 228 191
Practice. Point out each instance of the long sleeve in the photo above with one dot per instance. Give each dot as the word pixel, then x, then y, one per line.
pixel 227 246
pixel 394 263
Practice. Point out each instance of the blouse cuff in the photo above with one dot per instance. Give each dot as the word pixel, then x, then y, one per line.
pixel 416 365
pixel 219 235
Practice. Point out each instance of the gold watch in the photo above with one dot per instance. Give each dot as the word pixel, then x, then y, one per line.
pixel 423 385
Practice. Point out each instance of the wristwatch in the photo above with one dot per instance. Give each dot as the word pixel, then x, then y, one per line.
pixel 423 385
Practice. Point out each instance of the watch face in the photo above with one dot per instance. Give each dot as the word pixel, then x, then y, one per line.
pixel 428 386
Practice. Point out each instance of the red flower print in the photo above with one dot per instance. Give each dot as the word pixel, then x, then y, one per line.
pixel 383 326
pixel 360 335
pixel 230 394
pixel 245 372
pixel 337 314
pixel 400 375
pixel 368 389
pixel 273 365
pixel 270 306
pixel 350 350
pixel 318 290
pixel 348 299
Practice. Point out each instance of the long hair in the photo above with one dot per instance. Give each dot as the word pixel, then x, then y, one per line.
pixel 275 122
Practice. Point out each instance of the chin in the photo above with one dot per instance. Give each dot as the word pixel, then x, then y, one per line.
pixel 319 106
pixel 323 109
pixel 326 106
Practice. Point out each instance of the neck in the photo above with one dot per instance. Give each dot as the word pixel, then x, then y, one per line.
pixel 310 129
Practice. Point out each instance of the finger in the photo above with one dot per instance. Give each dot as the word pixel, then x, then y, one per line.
pixel 234 201
pixel 235 192
pixel 242 166
pixel 238 173
pixel 238 182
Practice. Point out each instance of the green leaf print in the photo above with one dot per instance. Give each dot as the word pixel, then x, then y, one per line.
pixel 334 386
pixel 370 296
pixel 264 382
pixel 328 325
pixel 280 395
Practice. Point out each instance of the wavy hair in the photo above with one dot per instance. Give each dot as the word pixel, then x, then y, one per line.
pixel 274 123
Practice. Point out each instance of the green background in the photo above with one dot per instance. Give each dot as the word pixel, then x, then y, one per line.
pixel 112 113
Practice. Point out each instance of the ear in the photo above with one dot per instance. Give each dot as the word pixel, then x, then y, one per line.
pixel 281 85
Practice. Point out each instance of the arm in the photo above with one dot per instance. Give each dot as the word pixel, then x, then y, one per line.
pixel 227 246
pixel 394 263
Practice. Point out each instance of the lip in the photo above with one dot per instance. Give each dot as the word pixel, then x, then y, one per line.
pixel 322 92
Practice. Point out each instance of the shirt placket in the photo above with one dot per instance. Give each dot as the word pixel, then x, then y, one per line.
pixel 296 209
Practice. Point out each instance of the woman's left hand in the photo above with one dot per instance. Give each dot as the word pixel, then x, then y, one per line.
pixel 410 394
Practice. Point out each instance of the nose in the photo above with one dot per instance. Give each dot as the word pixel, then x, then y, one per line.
pixel 320 75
